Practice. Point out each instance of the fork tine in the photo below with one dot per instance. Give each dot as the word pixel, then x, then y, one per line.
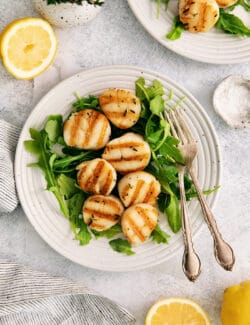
pixel 180 132
pixel 171 125
pixel 185 128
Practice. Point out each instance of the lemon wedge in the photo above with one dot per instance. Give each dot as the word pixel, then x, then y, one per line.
pixel 173 311
pixel 28 46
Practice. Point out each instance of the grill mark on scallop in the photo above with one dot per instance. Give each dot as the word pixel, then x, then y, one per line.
pixel 99 214
pixel 137 190
pixel 150 192
pixel 129 158
pixel 93 118
pixel 92 179
pixel 129 145
pixel 102 133
pixel 107 183
pixel 125 191
pixel 136 230
pixel 145 214
pixel 74 128
pixel 96 173
pixel 108 201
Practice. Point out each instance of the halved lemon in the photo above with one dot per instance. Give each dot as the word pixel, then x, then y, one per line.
pixel 28 46
pixel 176 311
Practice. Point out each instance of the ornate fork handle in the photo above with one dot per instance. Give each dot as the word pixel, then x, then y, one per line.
pixel 191 263
pixel 223 252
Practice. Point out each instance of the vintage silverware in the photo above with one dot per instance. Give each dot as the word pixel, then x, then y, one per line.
pixel 190 263
pixel 222 250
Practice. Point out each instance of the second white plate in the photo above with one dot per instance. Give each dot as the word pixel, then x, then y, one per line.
pixel 42 208
pixel 214 46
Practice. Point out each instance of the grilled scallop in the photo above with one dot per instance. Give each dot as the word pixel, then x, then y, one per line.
pixel 198 15
pixel 226 3
pixel 87 129
pixel 96 176
pixel 121 107
pixel 138 187
pixel 102 212
pixel 127 153
pixel 138 222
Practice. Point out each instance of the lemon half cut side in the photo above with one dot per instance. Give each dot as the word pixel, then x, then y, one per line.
pixel 176 311
pixel 28 46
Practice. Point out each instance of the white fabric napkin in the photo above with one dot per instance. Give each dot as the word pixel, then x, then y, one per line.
pixel 33 298
pixel 8 138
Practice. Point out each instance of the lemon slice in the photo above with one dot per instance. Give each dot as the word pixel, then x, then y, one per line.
pixel 173 311
pixel 28 46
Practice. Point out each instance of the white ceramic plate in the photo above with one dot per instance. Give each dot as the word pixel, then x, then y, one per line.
pixel 40 205
pixel 214 46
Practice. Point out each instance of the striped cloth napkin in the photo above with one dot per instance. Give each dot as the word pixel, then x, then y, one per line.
pixel 8 138
pixel 33 298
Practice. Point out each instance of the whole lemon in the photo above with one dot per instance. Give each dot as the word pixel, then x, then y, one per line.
pixel 236 305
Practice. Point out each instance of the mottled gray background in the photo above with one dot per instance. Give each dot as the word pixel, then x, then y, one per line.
pixel 115 37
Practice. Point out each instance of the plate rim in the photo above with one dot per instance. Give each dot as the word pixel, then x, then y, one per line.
pixel 167 45
pixel 157 74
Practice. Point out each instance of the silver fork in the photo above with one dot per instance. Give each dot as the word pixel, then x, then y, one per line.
pixel 191 263
pixel 222 250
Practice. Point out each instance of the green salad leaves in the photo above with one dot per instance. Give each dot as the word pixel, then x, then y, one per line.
pixel 232 24
pixel 58 163
pixel 227 21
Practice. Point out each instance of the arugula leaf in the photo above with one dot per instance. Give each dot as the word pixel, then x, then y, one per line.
pixel 156 89
pixel 109 233
pixel 42 151
pixel 157 105
pixel 169 149
pixel 85 103
pixel 32 146
pixel 232 24
pixel 192 192
pixel 54 127
pixel 173 214
pixel 69 162
pixel 67 186
pixel 245 4
pixel 140 89
pixel 83 235
pixel 159 235
pixel 176 30
pixel 121 246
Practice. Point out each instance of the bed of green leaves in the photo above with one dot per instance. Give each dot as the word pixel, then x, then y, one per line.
pixel 227 21
pixel 58 163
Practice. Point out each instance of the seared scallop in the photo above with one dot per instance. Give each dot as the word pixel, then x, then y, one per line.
pixel 226 3
pixel 121 107
pixel 102 212
pixel 198 15
pixel 96 176
pixel 127 153
pixel 138 222
pixel 87 129
pixel 138 187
